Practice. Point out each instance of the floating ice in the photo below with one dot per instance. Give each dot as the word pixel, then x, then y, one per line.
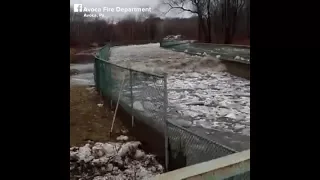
pixel 198 89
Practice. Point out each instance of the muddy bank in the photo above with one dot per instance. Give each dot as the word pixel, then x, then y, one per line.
pixel 88 121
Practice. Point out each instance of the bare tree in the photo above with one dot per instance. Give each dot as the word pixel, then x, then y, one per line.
pixel 222 15
pixel 230 10
pixel 197 7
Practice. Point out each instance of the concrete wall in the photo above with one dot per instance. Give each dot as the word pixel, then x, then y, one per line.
pixel 237 68
pixel 234 165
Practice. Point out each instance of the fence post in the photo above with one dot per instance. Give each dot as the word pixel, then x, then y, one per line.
pixel 131 97
pixel 99 75
pixel 96 74
pixel 165 109
pixel 110 84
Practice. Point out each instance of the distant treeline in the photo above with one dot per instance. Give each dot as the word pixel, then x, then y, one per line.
pixel 213 21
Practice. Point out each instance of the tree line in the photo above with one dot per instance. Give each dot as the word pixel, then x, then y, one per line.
pixel 212 21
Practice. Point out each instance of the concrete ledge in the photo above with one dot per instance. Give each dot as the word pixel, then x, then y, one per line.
pixel 237 68
pixel 224 45
pixel 220 168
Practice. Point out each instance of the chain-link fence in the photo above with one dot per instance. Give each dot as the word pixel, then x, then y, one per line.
pixel 226 52
pixel 144 96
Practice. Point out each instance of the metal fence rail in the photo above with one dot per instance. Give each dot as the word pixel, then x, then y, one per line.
pixel 144 95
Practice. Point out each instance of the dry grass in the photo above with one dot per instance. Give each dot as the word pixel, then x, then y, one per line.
pixel 88 121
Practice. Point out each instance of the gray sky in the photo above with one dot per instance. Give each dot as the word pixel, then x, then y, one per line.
pixel 126 4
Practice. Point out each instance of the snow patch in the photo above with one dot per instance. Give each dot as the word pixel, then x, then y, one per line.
pixel 127 162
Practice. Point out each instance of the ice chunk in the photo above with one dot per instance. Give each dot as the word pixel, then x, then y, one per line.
pixel 138 106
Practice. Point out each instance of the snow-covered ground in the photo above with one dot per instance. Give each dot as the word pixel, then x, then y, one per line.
pixel 199 89
pixel 112 160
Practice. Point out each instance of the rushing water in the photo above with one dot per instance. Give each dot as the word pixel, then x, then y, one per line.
pixel 85 74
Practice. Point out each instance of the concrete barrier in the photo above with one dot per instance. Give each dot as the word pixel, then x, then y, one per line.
pixel 218 169
pixel 239 69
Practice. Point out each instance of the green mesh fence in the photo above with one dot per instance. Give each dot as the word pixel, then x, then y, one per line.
pixel 144 96
pixel 226 52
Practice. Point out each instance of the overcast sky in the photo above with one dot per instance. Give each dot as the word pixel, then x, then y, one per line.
pixel 126 4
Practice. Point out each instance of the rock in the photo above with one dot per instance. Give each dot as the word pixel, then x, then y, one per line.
pixel 73 156
pixel 109 167
pixel 239 126
pixel 129 171
pixel 211 117
pixel 103 169
pixel 118 161
pixel 240 117
pixel 138 106
pixel 115 171
pixel 139 154
pixel 149 105
pixel 74 72
pixel 122 138
pixel 91 88
pixel 159 168
pixel 99 178
pixel 246 123
pixel 98 151
pixel 84 153
pixel 184 123
pixel 142 172
pixel 194 75
pixel 246 131
pixel 127 147
pixel 74 149
pixel 91 143
pixel 208 102
pixel 218 56
pixel 153 169
pixel 231 116
pixel 117 167
pixel 124 131
pixel 109 149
